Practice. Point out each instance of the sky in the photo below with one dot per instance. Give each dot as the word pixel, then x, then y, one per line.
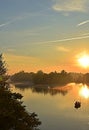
pixel 45 35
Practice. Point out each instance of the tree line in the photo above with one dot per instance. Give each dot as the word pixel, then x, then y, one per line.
pixel 52 78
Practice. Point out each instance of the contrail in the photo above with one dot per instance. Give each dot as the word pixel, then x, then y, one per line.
pixel 4 24
pixel 82 23
pixel 65 39
pixel 1 25
pixel 22 17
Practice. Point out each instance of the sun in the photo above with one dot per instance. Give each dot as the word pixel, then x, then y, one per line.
pixel 84 60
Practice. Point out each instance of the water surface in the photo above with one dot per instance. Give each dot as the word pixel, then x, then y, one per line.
pixel 55 107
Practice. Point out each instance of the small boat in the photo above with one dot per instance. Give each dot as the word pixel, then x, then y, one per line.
pixel 77 104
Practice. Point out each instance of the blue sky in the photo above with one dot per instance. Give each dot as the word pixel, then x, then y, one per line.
pixel 43 34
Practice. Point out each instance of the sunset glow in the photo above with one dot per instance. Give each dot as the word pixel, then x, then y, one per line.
pixel 45 35
pixel 84 92
pixel 84 61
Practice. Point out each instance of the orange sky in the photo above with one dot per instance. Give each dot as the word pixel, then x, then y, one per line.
pixel 29 64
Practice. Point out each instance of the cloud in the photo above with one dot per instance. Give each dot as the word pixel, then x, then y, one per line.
pixel 23 16
pixel 12 21
pixel 17 18
pixel 11 50
pixel 82 23
pixel 70 5
pixel 85 34
pixel 65 39
pixel 20 58
pixel 4 24
pixel 17 63
pixel 63 49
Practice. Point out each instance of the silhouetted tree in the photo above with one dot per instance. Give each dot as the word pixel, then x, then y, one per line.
pixel 63 73
pixel 39 77
pixel 2 66
pixel 50 79
pixel 13 115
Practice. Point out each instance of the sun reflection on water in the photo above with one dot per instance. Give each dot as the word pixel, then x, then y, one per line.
pixel 84 91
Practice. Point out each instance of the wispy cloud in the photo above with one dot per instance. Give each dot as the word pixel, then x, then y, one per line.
pixel 16 62
pixel 85 34
pixel 23 16
pixel 12 21
pixel 11 50
pixel 82 23
pixel 63 49
pixel 5 24
pixel 70 5
pixel 65 39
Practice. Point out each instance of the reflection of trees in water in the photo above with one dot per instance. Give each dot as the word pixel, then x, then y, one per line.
pixel 50 91
pixel 23 88
pixel 45 89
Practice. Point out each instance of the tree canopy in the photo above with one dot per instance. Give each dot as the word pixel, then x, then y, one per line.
pixel 13 115
pixel 52 78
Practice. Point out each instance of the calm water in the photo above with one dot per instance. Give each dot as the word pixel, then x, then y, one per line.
pixel 55 107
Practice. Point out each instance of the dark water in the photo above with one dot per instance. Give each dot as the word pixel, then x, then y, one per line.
pixel 55 107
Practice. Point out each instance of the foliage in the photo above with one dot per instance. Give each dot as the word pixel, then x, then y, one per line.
pixel 52 78
pixel 2 66
pixel 13 115
pixel 22 76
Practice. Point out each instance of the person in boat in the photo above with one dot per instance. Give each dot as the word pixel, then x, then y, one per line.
pixel 77 104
